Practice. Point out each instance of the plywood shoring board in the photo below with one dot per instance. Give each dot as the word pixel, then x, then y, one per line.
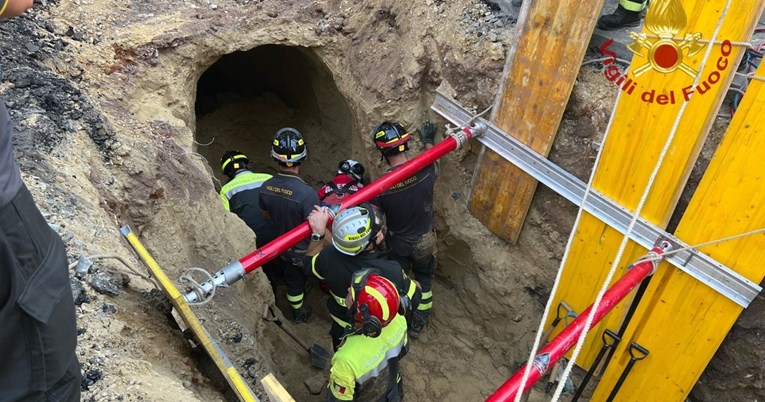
pixel 538 79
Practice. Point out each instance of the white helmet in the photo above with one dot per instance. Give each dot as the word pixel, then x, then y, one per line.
pixel 354 228
pixel 351 167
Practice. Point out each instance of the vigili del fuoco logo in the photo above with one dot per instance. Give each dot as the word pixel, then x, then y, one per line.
pixel 666 21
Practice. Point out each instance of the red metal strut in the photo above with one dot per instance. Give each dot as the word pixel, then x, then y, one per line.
pixel 561 344
pixel 238 269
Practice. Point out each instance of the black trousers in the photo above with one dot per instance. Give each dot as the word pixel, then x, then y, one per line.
pixel 273 269
pixel 417 253
pixel 294 278
pixel 38 332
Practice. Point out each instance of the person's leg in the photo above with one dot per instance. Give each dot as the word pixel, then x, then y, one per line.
pixel 274 270
pixel 398 250
pixel 336 332
pixel 39 331
pixel 423 251
pixel 68 388
pixel 627 14
pixel 296 282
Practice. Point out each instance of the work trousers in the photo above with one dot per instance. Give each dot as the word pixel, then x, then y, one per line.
pixel 273 269
pixel 38 332
pixel 294 278
pixel 634 5
pixel 419 254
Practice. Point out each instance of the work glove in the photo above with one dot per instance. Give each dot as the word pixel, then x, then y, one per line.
pixel 428 133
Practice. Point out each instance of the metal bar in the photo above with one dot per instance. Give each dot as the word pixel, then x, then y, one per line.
pixel 693 262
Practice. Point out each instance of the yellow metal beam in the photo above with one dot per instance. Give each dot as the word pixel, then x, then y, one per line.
pixel 682 322
pixel 538 78
pixel 640 126
pixel 235 381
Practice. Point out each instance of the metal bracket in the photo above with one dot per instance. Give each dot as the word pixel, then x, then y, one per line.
pixel 699 265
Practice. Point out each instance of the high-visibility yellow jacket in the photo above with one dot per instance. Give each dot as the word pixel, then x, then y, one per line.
pixel 241 196
pixel 366 369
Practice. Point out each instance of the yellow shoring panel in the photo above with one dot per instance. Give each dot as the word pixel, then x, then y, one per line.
pixel 638 133
pixel 682 321
pixel 242 390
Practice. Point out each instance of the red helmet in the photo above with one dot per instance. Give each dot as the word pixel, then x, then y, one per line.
pixel 375 301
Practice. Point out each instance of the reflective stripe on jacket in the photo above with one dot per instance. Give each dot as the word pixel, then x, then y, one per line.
pixel 242 182
pixel 362 360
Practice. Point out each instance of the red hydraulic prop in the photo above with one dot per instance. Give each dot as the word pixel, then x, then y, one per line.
pixel 238 269
pixel 561 344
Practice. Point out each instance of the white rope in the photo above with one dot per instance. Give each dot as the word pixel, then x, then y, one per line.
pixel 636 215
pixel 696 246
pixel 207 165
pixel 751 76
pixel 737 90
pixel 451 130
pixel 186 278
pixel 204 145
pixel 554 290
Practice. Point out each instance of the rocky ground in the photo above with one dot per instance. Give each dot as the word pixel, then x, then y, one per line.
pixel 112 129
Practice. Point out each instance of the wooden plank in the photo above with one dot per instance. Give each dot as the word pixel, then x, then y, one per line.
pixel 682 322
pixel 275 390
pixel 539 76
pixel 638 133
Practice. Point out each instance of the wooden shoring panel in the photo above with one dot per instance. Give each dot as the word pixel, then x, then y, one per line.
pixel 537 81
pixel 682 321
pixel 639 131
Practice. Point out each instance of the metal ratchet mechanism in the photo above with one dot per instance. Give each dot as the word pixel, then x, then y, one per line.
pixel 225 276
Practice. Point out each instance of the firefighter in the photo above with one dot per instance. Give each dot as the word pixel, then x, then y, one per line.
pixel 358 233
pixel 288 201
pixel 241 195
pixel 348 180
pixel 38 334
pixel 627 14
pixel 408 206
pixel 366 366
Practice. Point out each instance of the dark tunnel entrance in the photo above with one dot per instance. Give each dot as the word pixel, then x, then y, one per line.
pixel 245 97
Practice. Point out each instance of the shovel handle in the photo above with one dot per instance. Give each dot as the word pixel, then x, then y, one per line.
pixel 270 315
pixel 614 338
pixel 295 337
pixel 642 352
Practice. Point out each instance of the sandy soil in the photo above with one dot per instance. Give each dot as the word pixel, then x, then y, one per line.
pixel 113 130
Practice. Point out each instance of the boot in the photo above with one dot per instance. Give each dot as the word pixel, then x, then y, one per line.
pixel 301 315
pixel 418 320
pixel 621 18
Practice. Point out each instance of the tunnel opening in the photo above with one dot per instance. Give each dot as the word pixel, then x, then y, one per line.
pixel 246 96
pixel 241 101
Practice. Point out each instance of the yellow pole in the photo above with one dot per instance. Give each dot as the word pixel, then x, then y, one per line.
pixel 235 381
